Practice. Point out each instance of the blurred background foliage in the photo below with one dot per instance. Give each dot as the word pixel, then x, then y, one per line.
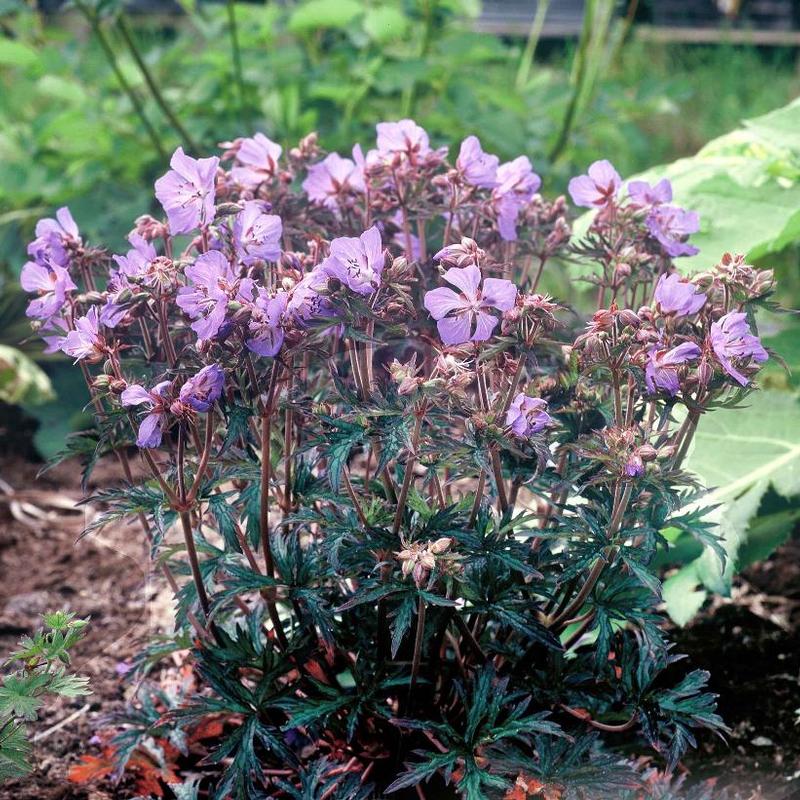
pixel 94 99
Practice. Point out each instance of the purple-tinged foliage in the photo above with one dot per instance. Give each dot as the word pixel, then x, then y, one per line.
pixel 381 534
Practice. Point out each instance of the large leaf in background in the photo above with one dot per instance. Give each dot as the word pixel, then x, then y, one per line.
pixel 745 186
pixel 21 380
pixel 739 455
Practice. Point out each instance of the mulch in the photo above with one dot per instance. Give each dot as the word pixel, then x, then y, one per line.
pixel 750 643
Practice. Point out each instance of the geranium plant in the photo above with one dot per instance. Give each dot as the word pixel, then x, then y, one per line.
pixel 407 502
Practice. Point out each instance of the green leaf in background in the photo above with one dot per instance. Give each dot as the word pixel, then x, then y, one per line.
pixel 739 456
pixel 315 14
pixel 21 380
pixel 745 186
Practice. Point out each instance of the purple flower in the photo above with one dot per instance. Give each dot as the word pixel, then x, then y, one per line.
pixel 157 403
pixel 661 371
pixel 85 341
pixel 598 188
pixel 357 263
pixel 676 296
pixel 671 226
pixel 187 192
pixel 213 285
pixel 732 341
pixel 51 283
pixel 476 167
pixel 517 186
pixel 256 235
pixel 202 390
pixel 266 323
pixel 634 466
pixel 53 239
pixel 463 316
pixel 404 138
pixel 643 194
pixel 133 269
pixel 305 301
pixel 257 160
pixel 333 178
pixel 527 415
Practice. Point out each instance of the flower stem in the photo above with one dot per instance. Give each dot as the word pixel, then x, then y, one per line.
pixel 169 113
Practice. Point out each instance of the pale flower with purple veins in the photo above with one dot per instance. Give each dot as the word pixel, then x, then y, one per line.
pixel 404 138
pixel 674 295
pixel 306 302
pixel 187 192
pixel 51 283
pixel 266 323
pixel 257 235
pixel 202 390
pixel 53 239
pixel 464 316
pixel 732 341
pixel 156 401
pixel 596 189
pixel 517 186
pixel 213 284
pixel 332 179
pixel 85 342
pixel 661 371
pixel 671 226
pixel 256 161
pixel 357 262
pixel 476 167
pixel 643 194
pixel 527 415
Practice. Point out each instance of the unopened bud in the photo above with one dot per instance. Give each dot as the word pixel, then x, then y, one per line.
pixel 440 545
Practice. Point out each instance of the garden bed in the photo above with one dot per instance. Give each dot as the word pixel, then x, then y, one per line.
pixel 751 644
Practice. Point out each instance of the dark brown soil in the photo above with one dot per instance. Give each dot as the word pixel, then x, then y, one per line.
pixel 750 644
pixel 43 568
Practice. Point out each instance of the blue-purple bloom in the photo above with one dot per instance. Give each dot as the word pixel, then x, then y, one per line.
pixel 661 371
pixel 202 390
pixel 527 415
pixel 85 341
pixel 671 226
pixel 334 177
pixel 464 316
pixel 256 161
pixel 213 285
pixel 133 270
pixel 517 185
pixel 674 295
pixel 357 262
pixel 54 238
pixel 732 341
pixel 266 323
pixel 187 192
pixel 476 167
pixel 306 301
pixel 643 194
pixel 156 401
pixel 403 138
pixel 257 235
pixel 596 189
pixel 51 283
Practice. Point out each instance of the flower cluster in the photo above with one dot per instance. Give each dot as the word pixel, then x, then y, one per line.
pixel 398 478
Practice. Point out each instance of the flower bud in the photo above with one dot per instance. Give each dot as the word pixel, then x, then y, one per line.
pixel 440 545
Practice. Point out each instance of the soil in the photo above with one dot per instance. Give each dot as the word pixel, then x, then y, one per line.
pixel 750 643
